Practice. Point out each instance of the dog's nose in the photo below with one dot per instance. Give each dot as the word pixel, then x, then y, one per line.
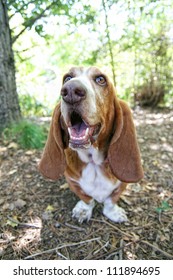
pixel 72 92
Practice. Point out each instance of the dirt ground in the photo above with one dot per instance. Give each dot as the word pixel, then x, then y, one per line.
pixel 35 214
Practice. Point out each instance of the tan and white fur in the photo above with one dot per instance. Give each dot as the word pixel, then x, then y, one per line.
pixel 92 141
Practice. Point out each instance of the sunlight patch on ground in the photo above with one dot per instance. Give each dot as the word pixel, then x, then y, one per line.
pixel 31 235
pixel 29 238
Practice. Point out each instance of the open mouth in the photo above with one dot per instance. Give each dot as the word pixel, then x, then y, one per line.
pixel 81 134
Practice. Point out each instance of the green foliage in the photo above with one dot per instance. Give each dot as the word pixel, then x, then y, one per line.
pixel 150 93
pixel 30 106
pixel 26 134
pixel 168 99
pixel 163 207
pixel 35 13
pixel 140 43
pixel 148 36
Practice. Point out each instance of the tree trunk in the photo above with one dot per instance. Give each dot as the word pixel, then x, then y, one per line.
pixel 9 104
pixel 109 42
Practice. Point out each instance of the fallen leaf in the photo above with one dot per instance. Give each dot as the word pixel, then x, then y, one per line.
pixel 49 208
pixel 12 172
pixel 64 186
pixel 13 145
pixel 13 222
pixel 30 152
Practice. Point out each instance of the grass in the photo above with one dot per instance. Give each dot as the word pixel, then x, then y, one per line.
pixel 26 134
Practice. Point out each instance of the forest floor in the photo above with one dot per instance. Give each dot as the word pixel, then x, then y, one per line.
pixel 35 214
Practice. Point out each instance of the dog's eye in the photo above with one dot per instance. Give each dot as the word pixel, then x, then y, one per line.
pixel 67 78
pixel 100 80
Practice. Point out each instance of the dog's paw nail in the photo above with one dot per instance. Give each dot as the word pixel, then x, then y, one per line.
pixel 82 211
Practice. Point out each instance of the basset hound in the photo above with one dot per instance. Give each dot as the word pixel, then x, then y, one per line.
pixel 92 141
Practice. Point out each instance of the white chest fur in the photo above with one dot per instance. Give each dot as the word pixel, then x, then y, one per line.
pixel 95 184
pixel 93 181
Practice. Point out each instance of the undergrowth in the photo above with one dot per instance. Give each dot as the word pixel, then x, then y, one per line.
pixel 26 134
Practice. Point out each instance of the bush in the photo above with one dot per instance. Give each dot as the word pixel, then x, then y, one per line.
pixel 26 134
pixel 30 106
pixel 150 94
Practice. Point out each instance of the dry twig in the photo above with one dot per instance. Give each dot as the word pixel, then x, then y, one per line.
pixel 113 226
pixel 121 249
pixel 157 249
pixel 74 227
pixel 60 247
pixel 22 224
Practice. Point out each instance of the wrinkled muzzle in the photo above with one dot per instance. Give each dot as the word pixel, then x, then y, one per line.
pixel 75 111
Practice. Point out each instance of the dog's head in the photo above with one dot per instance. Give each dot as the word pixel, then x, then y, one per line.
pixel 86 105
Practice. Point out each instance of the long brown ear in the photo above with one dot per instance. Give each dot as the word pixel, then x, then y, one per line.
pixel 52 164
pixel 123 154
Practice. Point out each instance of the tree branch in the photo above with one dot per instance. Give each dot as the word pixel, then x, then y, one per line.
pixel 21 8
pixel 31 22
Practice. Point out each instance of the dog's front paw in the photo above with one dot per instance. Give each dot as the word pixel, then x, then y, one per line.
pixel 114 213
pixel 83 211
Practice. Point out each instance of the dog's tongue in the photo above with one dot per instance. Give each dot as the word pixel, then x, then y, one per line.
pixel 79 131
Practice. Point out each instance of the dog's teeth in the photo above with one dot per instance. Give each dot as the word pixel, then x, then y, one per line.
pixel 86 132
pixel 78 138
pixel 69 131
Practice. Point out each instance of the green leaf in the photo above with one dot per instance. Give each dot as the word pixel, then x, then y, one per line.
pixel 50 208
pixel 12 222
pixel 164 207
